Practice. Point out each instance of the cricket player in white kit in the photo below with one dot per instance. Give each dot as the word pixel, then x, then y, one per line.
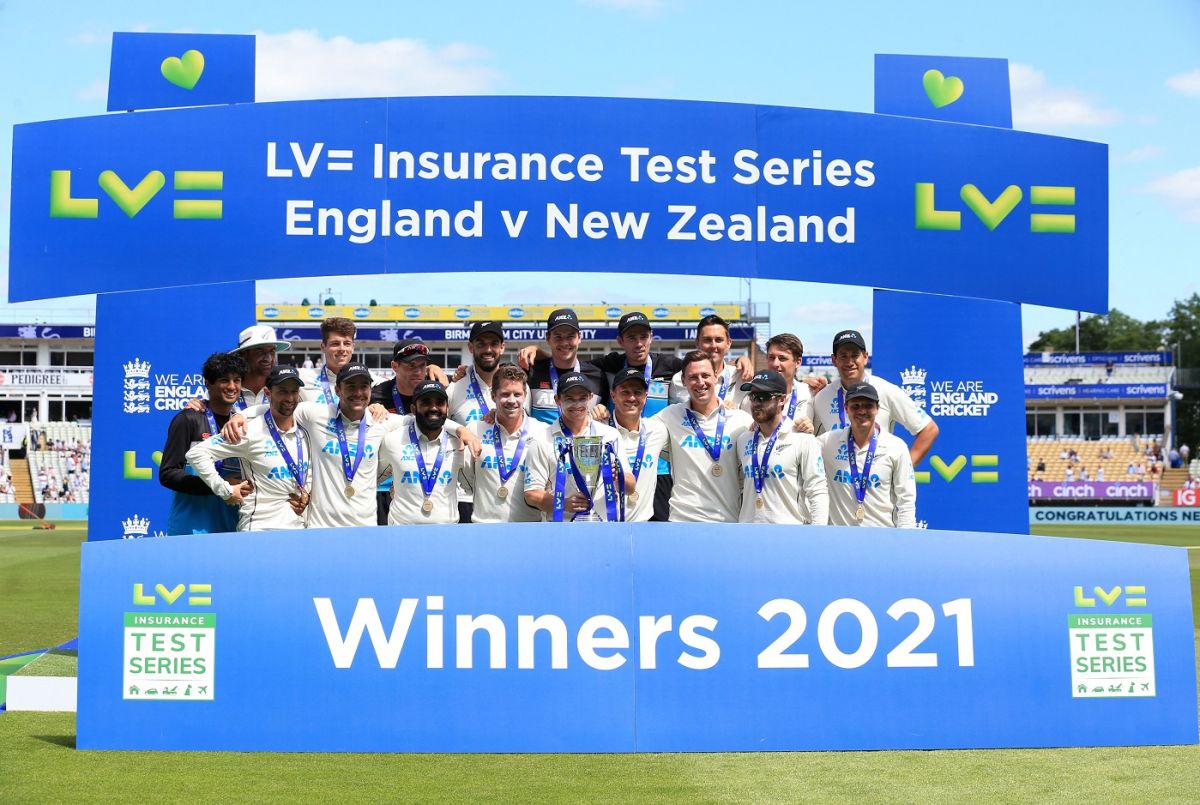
pixel 424 462
pixel 782 470
pixel 556 483
pixel 643 440
pixel 702 447
pixel 497 477
pixel 337 350
pixel 850 358
pixel 272 456
pixel 870 472
pixel 344 450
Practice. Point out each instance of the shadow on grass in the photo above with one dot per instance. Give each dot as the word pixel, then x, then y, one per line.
pixel 67 741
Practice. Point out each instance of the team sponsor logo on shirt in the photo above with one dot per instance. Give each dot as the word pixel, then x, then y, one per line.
pixel 690 440
pixel 844 477
pixel 413 477
pixel 331 447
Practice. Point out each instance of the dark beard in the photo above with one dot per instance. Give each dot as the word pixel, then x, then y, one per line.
pixel 429 421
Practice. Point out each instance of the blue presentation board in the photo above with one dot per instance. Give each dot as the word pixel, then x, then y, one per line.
pixel 972 387
pixel 148 366
pixel 637 637
pixel 462 184
pixel 152 70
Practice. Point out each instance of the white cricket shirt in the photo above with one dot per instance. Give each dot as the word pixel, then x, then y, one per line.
pixel 891 498
pixel 794 490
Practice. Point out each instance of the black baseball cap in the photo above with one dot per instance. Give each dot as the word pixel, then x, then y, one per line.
pixel 353 370
pixel 635 318
pixel 280 374
pixel 862 390
pixel 767 380
pixel 409 350
pixel 483 327
pixel 562 316
pixel 573 380
pixel 427 388
pixel 627 374
pixel 849 337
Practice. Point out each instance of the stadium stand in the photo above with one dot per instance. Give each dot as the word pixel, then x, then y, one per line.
pixel 1120 458
pixel 59 455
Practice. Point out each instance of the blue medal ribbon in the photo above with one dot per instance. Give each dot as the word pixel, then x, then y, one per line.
pixel 505 468
pixel 326 389
pixel 429 479
pixel 396 401
pixel 636 464
pixel 213 430
pixel 475 393
pixel 295 466
pixel 240 403
pixel 758 472
pixel 554 373
pixel 841 406
pixel 791 411
pixel 340 429
pixel 724 386
pixel 713 449
pixel 611 498
pixel 860 482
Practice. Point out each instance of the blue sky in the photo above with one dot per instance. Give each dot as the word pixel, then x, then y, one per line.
pixel 1099 71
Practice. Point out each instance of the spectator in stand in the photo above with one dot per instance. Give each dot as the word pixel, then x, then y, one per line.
pixel 1185 453
pixel 1083 474
pixel 1100 473
pixel 1108 369
pixel 1131 469
pixel 1073 456
pixel 1041 465
pixel 1070 476
pixel 1175 460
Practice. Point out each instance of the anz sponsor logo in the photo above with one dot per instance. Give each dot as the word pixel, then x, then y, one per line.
pixel 493 463
pixel 331 447
pixel 282 473
pixel 647 461
pixel 691 441
pixel 776 471
pixel 410 477
pixel 843 477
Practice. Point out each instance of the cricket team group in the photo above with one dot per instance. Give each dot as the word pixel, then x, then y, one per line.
pixel 543 437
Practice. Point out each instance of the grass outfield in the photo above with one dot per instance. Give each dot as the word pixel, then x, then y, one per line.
pixel 38 608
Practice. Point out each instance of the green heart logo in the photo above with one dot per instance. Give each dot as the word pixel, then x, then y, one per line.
pixel 942 91
pixel 184 71
pixel 131 201
pixel 991 212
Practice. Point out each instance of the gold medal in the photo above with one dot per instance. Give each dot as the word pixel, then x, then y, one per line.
pixel 758 502
pixel 716 470
pixel 349 491
pixel 427 506
pixel 502 492
pixel 860 513
pixel 632 497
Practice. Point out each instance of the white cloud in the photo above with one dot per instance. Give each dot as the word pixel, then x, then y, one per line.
pixel 1181 190
pixel 1186 83
pixel 85 38
pixel 1037 104
pixel 646 7
pixel 301 65
pixel 95 91
pixel 1144 153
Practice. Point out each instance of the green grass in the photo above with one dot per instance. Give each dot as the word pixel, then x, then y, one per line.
pixel 52 663
pixel 38 761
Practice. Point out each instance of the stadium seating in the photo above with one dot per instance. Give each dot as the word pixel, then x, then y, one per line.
pixel 1055 452
pixel 60 455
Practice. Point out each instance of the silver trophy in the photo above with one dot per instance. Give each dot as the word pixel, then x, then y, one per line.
pixel 587 452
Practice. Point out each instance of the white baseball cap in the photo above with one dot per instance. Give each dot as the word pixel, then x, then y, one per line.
pixel 260 335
